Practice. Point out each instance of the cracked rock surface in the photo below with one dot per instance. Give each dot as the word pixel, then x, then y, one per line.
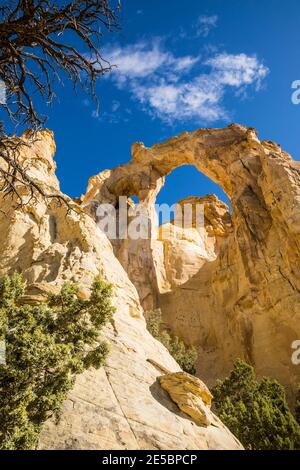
pixel 121 405
pixel 238 295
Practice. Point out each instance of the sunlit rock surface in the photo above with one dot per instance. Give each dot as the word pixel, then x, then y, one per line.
pixel 240 295
pixel 122 405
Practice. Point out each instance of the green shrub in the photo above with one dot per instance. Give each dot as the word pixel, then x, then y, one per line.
pixel 256 412
pixel 186 356
pixel 47 345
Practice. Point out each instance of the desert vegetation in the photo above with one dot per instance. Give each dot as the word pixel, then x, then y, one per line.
pixel 47 345
pixel 185 355
pixel 256 411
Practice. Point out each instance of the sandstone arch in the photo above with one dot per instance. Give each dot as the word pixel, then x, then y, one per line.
pixel 247 300
pixel 113 407
pixel 142 176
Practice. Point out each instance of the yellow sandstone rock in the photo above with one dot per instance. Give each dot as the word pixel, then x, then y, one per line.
pixel 121 405
pixel 238 293
pixel 233 293
pixel 190 394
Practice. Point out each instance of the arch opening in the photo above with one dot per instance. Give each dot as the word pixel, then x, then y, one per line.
pixel 185 181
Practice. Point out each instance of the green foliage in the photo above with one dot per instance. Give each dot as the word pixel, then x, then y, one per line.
pixel 46 346
pixel 186 356
pixel 256 412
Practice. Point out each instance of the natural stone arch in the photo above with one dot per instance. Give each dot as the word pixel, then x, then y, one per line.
pixel 114 406
pixel 143 177
pixel 216 153
pixel 206 149
pixel 248 298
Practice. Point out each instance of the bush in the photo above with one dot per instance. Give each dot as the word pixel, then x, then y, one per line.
pixel 256 412
pixel 47 345
pixel 186 356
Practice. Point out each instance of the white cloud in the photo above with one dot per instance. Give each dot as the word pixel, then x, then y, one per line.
pixel 163 96
pixel 182 88
pixel 205 24
pixel 141 60
pixel 184 63
pixel 136 60
pixel 198 99
pixel 238 70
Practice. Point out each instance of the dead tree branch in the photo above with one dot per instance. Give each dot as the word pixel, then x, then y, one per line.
pixel 42 41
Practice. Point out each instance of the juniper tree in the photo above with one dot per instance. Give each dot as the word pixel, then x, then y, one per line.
pixel 185 355
pixel 256 411
pixel 47 345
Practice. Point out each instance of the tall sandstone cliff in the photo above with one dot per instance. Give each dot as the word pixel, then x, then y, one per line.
pixel 131 402
pixel 233 292
pixel 238 294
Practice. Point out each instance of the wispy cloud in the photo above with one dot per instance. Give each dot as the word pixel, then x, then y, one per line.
pixel 198 99
pixel 183 87
pixel 238 70
pixel 201 27
pixel 140 60
pixel 205 24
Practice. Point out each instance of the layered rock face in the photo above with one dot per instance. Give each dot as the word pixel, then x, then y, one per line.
pixel 122 405
pixel 240 295
pixel 232 289
pixel 189 244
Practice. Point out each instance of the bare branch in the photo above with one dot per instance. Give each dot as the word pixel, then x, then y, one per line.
pixel 15 181
pixel 37 41
pixel 31 33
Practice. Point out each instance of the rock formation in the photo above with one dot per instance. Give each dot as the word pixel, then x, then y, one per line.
pixel 191 395
pixel 121 405
pixel 240 295
pixel 186 249
pixel 232 292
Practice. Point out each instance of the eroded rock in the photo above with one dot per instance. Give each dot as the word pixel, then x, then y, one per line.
pixel 121 405
pixel 190 394
pixel 245 302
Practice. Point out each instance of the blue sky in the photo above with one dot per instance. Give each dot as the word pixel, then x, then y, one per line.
pixel 183 65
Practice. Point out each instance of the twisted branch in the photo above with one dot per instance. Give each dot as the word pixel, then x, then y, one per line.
pixel 32 55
